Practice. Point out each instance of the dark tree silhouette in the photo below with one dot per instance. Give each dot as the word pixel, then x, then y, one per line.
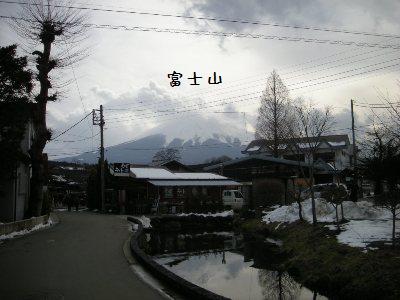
pixel 166 155
pixel 15 107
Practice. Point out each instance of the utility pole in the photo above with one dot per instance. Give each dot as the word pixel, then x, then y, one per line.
pixel 100 121
pixel 354 193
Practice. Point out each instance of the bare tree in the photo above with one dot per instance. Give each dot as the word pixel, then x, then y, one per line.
pixel 296 196
pixel 278 285
pixel 378 145
pixel 391 201
pixel 311 124
pixel 390 118
pixel 335 195
pixel 166 155
pixel 274 114
pixel 56 29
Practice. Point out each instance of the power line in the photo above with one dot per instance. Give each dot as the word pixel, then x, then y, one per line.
pixel 303 63
pixel 236 35
pixel 244 35
pixel 347 71
pixel 173 118
pixel 257 36
pixel 68 129
pixel 149 115
pixel 74 141
pixel 263 79
pixel 218 19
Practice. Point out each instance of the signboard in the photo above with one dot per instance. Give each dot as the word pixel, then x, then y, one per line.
pixel 121 168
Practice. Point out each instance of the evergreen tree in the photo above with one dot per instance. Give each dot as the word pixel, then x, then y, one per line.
pixel 15 88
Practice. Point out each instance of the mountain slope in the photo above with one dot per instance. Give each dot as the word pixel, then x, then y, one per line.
pixel 199 138
pixel 141 151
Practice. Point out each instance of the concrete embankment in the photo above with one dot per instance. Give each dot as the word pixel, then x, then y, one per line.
pixel 184 287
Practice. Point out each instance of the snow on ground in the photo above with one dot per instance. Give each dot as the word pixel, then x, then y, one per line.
pixel 61 209
pixel 219 233
pixel 145 221
pixel 367 222
pixel 25 231
pixel 359 233
pixel 226 213
pixel 326 212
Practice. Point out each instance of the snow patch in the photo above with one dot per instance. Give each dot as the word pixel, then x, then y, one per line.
pixel 359 233
pixel 367 222
pixel 58 178
pixel 224 214
pixel 326 212
pixel 336 144
pixel 145 221
pixel 25 231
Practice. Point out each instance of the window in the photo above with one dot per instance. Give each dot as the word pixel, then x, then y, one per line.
pixel 326 156
pixel 180 192
pixel 238 195
pixel 168 192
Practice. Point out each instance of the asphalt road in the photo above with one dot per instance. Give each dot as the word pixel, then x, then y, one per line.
pixel 79 258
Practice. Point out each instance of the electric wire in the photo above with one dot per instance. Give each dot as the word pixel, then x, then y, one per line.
pixel 216 19
pixel 139 107
pixel 234 34
pixel 151 115
pixel 72 126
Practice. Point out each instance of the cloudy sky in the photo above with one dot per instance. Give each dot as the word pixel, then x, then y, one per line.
pixel 126 70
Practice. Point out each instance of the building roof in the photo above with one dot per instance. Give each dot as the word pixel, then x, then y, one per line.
pixel 194 182
pixel 152 173
pixel 200 176
pixel 336 141
pixel 164 177
pixel 171 164
pixel 318 165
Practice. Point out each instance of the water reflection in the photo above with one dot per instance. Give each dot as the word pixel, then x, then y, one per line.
pixel 229 265
pixel 278 285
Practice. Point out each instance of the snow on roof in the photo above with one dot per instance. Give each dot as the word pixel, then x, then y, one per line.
pixel 194 183
pixel 153 173
pixel 335 144
pixel 303 145
pixel 200 176
pixel 282 146
pixel 163 174
pixel 59 178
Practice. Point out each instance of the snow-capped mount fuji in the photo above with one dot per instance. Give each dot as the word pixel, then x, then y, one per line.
pixel 141 151
pixel 198 139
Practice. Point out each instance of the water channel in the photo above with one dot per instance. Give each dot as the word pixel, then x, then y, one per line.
pixel 228 264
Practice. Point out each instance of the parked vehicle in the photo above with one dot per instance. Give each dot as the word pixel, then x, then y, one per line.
pixel 232 198
pixel 318 190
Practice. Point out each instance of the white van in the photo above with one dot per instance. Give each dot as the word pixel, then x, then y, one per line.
pixel 232 198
